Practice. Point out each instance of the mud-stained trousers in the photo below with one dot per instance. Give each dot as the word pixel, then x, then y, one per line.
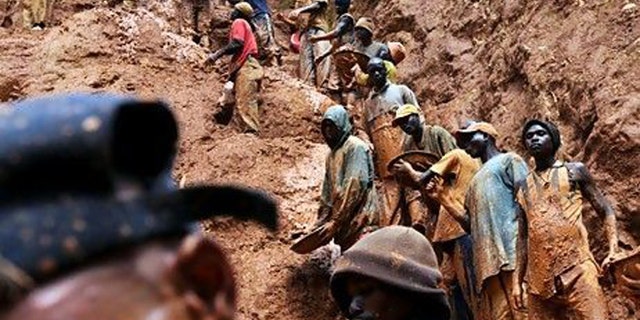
pixel 247 88
pixel 315 75
pixel 269 49
pixel 579 296
pixel 496 299
pixel 35 11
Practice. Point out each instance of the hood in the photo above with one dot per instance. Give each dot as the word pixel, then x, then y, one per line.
pixel 340 117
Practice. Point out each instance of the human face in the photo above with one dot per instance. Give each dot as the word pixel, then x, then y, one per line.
pixel 373 300
pixel 538 141
pixel 363 34
pixel 331 133
pixel 377 75
pixel 475 144
pixel 410 124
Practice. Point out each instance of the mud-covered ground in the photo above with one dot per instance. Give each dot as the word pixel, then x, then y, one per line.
pixel 573 62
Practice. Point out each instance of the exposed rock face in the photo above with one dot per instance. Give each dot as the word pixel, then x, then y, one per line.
pixel 573 62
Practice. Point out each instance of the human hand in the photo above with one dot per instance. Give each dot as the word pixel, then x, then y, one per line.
pixel 293 15
pixel 518 295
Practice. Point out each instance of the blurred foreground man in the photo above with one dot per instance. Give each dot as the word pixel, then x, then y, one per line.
pixel 91 226
pixel 490 215
pixel 245 72
pixel 562 275
pixel 391 274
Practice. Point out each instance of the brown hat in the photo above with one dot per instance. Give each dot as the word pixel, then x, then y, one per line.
pixel 483 127
pixel 365 23
pixel 399 257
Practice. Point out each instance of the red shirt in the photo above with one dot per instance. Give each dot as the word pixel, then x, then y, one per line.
pixel 241 30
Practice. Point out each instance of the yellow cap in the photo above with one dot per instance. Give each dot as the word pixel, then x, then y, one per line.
pixel 365 23
pixel 405 111
pixel 244 7
pixel 483 127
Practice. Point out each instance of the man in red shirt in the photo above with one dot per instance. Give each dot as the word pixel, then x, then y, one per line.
pixel 244 69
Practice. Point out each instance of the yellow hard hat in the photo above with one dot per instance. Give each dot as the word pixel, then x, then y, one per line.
pixel 405 111
pixel 244 7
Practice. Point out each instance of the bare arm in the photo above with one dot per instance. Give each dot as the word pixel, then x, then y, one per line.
pixel 599 203
pixel 521 258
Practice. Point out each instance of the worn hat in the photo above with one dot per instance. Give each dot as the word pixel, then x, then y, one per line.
pixel 405 111
pixel 397 51
pixel 399 257
pixel 81 177
pixel 483 127
pixel 244 7
pixel 551 129
pixel 365 23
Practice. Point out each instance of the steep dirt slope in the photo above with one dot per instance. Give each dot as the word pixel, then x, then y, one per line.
pixel 574 62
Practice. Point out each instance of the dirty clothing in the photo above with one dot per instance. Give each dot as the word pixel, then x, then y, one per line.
pixel 34 12
pixel 374 50
pixel 435 140
pixel 241 31
pixel 561 270
pixel 309 72
pixel 378 113
pixel 493 214
pixel 496 301
pixel 269 49
pixel 553 207
pixel 348 183
pixel 457 169
pixel 323 18
pixel 578 294
pixel 247 88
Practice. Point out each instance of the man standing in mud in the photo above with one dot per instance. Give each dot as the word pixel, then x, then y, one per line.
pixel 244 69
pixel 322 14
pixel 379 110
pixel 349 201
pixel 562 275
pixel 423 137
pixel 490 215
pixel 270 51
pixel 449 178
pixel 364 40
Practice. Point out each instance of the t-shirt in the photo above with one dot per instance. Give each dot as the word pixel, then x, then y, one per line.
pixel 493 215
pixel 241 30
pixel 457 169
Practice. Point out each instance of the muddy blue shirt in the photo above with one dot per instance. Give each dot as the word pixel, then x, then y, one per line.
pixel 493 211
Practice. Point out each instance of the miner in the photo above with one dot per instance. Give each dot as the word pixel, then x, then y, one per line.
pixel 561 272
pixel 383 101
pixel 391 274
pixel 90 226
pixel 349 201
pixel 245 71
pixel 270 51
pixel 490 215
pixel 449 178
pixel 34 13
pixel 322 14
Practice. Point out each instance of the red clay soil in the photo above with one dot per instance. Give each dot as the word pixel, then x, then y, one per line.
pixel 573 62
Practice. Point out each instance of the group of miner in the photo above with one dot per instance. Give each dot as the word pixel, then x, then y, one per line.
pixel 430 224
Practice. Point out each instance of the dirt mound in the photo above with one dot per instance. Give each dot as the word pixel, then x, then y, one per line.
pixel 571 62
